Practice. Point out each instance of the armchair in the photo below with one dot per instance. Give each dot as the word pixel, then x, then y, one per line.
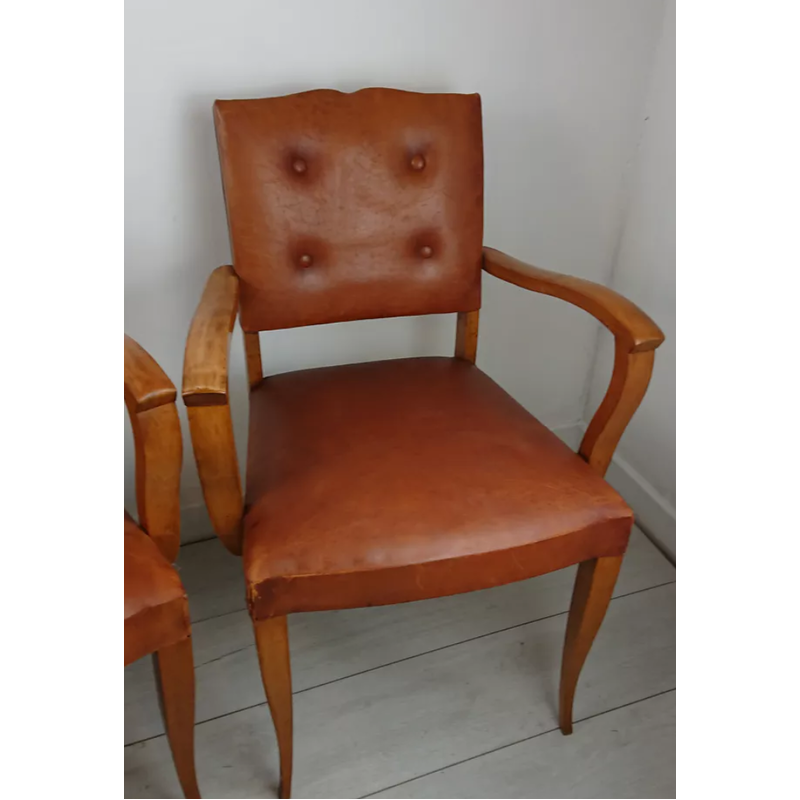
pixel 400 480
pixel 156 608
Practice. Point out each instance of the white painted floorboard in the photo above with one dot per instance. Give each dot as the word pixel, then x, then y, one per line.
pixel 628 752
pixel 447 681
pixel 332 645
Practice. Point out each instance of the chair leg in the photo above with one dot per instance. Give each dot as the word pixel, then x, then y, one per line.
pixel 272 642
pixel 594 586
pixel 174 668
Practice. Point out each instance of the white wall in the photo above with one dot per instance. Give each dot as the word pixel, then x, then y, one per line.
pixel 644 271
pixel 562 81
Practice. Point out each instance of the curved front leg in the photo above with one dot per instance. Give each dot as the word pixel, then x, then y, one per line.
pixel 594 586
pixel 174 668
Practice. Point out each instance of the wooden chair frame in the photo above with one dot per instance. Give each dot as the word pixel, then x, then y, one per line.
pixel 205 392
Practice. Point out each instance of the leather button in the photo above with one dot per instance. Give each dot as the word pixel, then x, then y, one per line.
pixel 305 260
pixel 425 251
pixel 299 166
pixel 418 162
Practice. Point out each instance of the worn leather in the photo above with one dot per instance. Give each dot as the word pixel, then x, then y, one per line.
pixel 399 480
pixel 156 609
pixel 353 206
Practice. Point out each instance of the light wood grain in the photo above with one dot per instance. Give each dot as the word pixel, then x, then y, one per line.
pixel 467 335
pixel 594 587
pixel 272 643
pixel 159 455
pixel 365 733
pixel 205 362
pixel 150 401
pixel 174 670
pixel 146 384
pixel 629 382
pixel 214 448
pixel 327 646
pixel 625 753
pixel 205 392
pixel 252 351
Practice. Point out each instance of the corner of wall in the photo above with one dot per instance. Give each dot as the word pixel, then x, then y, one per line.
pixel 654 513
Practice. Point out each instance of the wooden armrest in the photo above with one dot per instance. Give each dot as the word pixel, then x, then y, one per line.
pixel 205 366
pixel 146 384
pixel 636 339
pixel 629 324
pixel 150 400
pixel 205 392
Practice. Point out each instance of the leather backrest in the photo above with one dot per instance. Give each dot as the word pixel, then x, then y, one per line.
pixel 353 206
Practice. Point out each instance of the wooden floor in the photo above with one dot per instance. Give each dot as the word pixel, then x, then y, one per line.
pixel 444 698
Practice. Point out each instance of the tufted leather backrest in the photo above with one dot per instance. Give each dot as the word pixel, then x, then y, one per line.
pixel 353 206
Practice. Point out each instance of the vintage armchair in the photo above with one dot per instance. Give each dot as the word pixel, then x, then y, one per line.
pixel 156 610
pixel 399 480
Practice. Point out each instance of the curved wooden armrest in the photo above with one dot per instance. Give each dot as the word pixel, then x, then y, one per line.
pixel 205 365
pixel 205 393
pixel 150 400
pixel 146 384
pixel 636 339
pixel 623 318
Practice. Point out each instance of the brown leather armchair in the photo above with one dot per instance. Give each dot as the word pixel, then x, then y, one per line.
pixel 398 480
pixel 156 609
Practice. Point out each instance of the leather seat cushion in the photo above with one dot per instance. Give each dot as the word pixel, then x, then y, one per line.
pixel 398 480
pixel 156 610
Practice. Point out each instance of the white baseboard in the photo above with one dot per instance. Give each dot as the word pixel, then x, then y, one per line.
pixel 654 514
